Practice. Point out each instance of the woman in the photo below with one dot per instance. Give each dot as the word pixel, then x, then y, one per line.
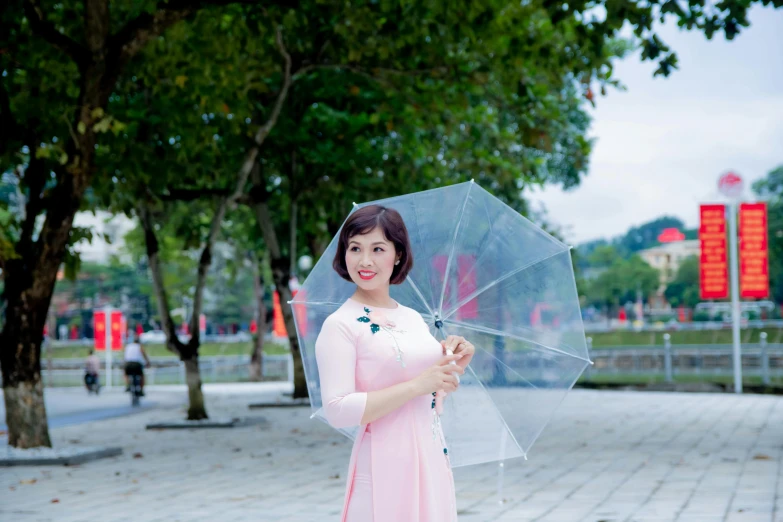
pixel 381 369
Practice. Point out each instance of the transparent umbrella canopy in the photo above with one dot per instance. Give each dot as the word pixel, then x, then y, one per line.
pixel 482 271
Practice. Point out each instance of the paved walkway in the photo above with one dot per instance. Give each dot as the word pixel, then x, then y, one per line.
pixel 608 456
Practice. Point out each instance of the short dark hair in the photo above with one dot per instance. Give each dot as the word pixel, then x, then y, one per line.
pixel 393 227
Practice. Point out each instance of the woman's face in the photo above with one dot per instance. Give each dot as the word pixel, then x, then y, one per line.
pixel 370 259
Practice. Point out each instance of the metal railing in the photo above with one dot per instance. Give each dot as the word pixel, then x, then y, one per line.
pixel 700 361
pixel 762 360
pixel 169 370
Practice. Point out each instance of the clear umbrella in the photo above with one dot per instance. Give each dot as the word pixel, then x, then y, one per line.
pixel 482 271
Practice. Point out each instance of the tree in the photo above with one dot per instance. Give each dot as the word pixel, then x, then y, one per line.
pixel 603 256
pixel 462 79
pixel 770 189
pixel 620 283
pixel 54 92
pixel 122 283
pixel 683 290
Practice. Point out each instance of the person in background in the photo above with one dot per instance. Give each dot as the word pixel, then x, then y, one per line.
pixel 92 366
pixel 135 357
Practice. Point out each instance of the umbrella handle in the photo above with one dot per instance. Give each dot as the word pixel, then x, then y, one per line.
pixel 450 352
pixel 439 397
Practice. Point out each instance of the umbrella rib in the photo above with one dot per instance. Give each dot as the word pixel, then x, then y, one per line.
pixel 418 292
pixel 453 246
pixel 496 281
pixel 492 331
pixel 509 368
pixel 552 412
pixel 497 411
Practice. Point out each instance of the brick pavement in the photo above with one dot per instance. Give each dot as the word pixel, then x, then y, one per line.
pixel 607 456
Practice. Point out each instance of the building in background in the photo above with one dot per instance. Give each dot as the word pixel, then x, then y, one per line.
pixel 667 257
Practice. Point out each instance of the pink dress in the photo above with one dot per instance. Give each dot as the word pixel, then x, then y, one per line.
pixel 399 468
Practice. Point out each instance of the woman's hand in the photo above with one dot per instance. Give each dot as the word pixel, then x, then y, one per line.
pixel 459 346
pixel 439 377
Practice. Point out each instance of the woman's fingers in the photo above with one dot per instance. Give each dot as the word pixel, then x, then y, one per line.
pixel 452 342
pixel 448 358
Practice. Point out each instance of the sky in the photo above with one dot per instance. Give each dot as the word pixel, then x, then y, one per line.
pixel 662 144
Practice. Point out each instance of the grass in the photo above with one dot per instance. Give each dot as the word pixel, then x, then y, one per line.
pixel 159 350
pixel 657 378
pixel 631 338
pixel 601 340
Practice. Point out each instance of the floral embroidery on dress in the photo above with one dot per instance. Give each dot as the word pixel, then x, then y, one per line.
pixel 379 322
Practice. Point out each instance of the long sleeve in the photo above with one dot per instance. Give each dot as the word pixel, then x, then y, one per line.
pixel 335 352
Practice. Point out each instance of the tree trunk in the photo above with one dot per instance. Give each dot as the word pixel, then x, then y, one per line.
pixel 25 413
pixel 256 354
pixel 196 408
pixel 281 275
pixel 29 284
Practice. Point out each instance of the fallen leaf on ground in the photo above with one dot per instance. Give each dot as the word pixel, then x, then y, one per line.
pixel 138 456
pixel 55 501
pixel 761 456
pixel 28 481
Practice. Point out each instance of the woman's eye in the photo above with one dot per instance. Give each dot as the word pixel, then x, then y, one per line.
pixel 378 248
pixel 354 249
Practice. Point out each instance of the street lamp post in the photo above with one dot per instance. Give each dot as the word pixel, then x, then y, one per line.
pixel 731 186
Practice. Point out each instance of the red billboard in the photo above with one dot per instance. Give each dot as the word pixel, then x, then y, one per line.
pixel 713 264
pixel 753 251
pixel 99 329
pixel 116 330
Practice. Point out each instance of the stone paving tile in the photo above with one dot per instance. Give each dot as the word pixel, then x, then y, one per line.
pixel 606 456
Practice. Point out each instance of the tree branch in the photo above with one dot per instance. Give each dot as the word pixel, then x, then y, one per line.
pixel 375 74
pixel 267 127
pixel 46 30
pixel 249 165
pixel 132 37
pixel 206 254
pixel 153 249
pixel 261 208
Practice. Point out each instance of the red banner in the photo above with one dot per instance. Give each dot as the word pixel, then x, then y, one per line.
pixel 278 322
pixel 753 251
pixel 713 265
pixel 116 330
pixel 300 312
pixel 466 275
pixel 99 330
